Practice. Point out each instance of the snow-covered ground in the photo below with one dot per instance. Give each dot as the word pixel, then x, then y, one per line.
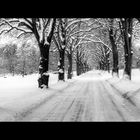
pixel 129 89
pixel 18 94
pixel 123 84
pixel 88 97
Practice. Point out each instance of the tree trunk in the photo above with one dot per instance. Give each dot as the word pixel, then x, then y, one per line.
pixel 77 68
pixel 115 69
pixel 62 40
pixel 99 65
pixel 127 48
pixel 77 63
pixel 44 46
pixel 108 63
pixel 23 68
pixel 44 66
pixel 61 73
pixel 13 72
pixel 69 66
pixel 80 67
pixel 106 59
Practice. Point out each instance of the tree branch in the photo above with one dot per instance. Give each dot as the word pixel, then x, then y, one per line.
pixel 24 34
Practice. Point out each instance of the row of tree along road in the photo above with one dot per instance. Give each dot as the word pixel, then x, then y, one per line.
pixel 89 42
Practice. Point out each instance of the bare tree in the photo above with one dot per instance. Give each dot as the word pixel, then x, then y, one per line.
pixel 42 29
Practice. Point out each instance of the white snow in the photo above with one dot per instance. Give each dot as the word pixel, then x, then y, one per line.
pixel 19 96
pixel 130 88
pixel 41 29
pixel 6 39
pixel 46 73
pixel 58 63
pixel 129 35
pixel 126 85
pixel 63 46
pixel 46 42
pixel 18 91
pixel 49 31
pixel 61 71
pixel 40 67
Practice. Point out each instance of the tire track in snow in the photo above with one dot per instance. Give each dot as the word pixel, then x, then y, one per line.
pixel 58 113
pixel 54 116
pixel 79 110
pixel 24 114
pixel 76 111
pixel 79 101
pixel 50 105
pixel 113 102
pixel 21 115
pixel 6 115
pixel 107 110
pixel 89 104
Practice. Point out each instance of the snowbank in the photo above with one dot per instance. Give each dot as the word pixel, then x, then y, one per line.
pixel 126 85
pixel 128 89
pixel 19 94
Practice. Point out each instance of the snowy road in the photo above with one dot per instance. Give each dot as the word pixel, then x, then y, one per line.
pixel 88 98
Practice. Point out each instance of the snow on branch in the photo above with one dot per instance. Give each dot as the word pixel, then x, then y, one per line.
pixel 24 33
pixel 20 21
pixel 56 42
pixel 77 21
pixel 41 31
pixel 97 40
pixel 72 29
pixel 50 26
pixel 28 20
pixel 25 25
pixel 84 31
pixel 12 27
